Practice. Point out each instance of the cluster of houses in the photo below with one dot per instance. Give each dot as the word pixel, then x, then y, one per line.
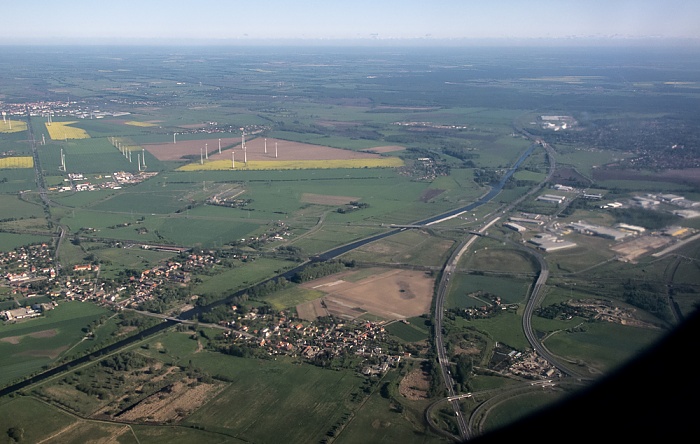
pixel 281 334
pixel 25 265
pixel 141 288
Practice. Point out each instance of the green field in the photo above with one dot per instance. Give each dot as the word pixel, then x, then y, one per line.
pixel 9 241
pixel 380 418
pixel 510 290
pixel 517 407
pixel 291 297
pixel 408 332
pixel 269 396
pixel 603 346
pixel 505 327
pixel 30 344
pixel 493 257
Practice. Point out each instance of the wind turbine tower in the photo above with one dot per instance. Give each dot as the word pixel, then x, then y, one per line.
pixel 143 156
pixel 206 151
pixel 233 160
pixel 275 150
pixel 138 160
pixel 265 146
pixel 219 146
pixel 201 159
pixel 3 116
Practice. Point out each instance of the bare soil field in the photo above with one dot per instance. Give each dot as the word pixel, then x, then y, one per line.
pixel 415 385
pixel 176 151
pixel 311 310
pixel 429 194
pixel 635 248
pixel 37 334
pixel 322 199
pixel 389 294
pixel 286 150
pixel 173 404
pixel 50 353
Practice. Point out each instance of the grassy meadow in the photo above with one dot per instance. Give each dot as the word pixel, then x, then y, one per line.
pixel 31 344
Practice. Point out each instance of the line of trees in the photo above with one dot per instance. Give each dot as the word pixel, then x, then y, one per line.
pixel 319 270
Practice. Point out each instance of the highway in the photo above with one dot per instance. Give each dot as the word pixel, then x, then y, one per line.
pixel 444 363
pixel 465 432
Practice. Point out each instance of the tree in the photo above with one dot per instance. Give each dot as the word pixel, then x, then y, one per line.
pixel 15 433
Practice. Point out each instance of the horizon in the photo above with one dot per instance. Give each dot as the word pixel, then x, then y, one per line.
pixel 211 21
pixel 582 42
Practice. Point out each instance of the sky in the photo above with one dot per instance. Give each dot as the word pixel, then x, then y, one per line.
pixel 231 21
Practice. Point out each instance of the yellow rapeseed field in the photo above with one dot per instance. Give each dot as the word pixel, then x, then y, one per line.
pixel 384 162
pixel 17 162
pixel 12 126
pixel 63 130
pixel 142 124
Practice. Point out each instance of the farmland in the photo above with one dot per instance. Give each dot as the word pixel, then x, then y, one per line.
pixel 16 162
pixel 12 126
pixel 248 163
pixel 293 164
pixel 65 130
pixel 42 341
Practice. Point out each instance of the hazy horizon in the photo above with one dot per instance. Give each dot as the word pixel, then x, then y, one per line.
pixel 444 22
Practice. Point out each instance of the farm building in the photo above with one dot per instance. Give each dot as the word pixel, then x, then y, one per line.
pixel 20 313
pixel 551 198
pixel 516 227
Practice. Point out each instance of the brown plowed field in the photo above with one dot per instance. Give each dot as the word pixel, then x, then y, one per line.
pixel 389 294
pixel 175 151
pixel 255 150
pixel 322 199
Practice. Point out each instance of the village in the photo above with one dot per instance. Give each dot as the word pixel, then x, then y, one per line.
pixel 29 272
